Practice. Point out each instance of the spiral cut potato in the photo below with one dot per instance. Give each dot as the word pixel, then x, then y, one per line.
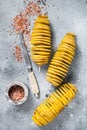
pixel 41 41
pixel 62 59
pixel 54 104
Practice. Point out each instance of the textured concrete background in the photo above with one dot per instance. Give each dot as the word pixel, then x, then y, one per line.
pixel 64 16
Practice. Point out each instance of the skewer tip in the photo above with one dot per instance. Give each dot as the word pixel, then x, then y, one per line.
pixel 36 95
pixel 39 68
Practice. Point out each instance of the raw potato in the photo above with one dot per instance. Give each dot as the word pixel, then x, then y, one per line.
pixel 41 41
pixel 61 60
pixel 54 104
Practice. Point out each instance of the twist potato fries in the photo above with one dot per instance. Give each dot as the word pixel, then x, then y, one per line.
pixel 62 59
pixel 54 104
pixel 41 41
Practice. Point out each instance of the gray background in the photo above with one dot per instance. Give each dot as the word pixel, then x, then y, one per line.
pixel 64 16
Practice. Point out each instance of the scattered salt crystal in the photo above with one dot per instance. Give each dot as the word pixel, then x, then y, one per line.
pixel 21 22
pixel 18 53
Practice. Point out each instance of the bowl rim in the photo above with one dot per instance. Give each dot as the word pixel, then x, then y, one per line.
pixel 26 91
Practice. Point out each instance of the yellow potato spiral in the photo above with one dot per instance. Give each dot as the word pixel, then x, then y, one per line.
pixel 41 40
pixel 61 60
pixel 54 104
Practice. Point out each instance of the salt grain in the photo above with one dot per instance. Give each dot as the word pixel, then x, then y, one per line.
pixel 18 53
pixel 21 23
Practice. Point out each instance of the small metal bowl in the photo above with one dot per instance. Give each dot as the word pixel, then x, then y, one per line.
pixel 26 92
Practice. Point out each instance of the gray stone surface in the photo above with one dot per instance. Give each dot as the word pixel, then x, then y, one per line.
pixel 64 16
